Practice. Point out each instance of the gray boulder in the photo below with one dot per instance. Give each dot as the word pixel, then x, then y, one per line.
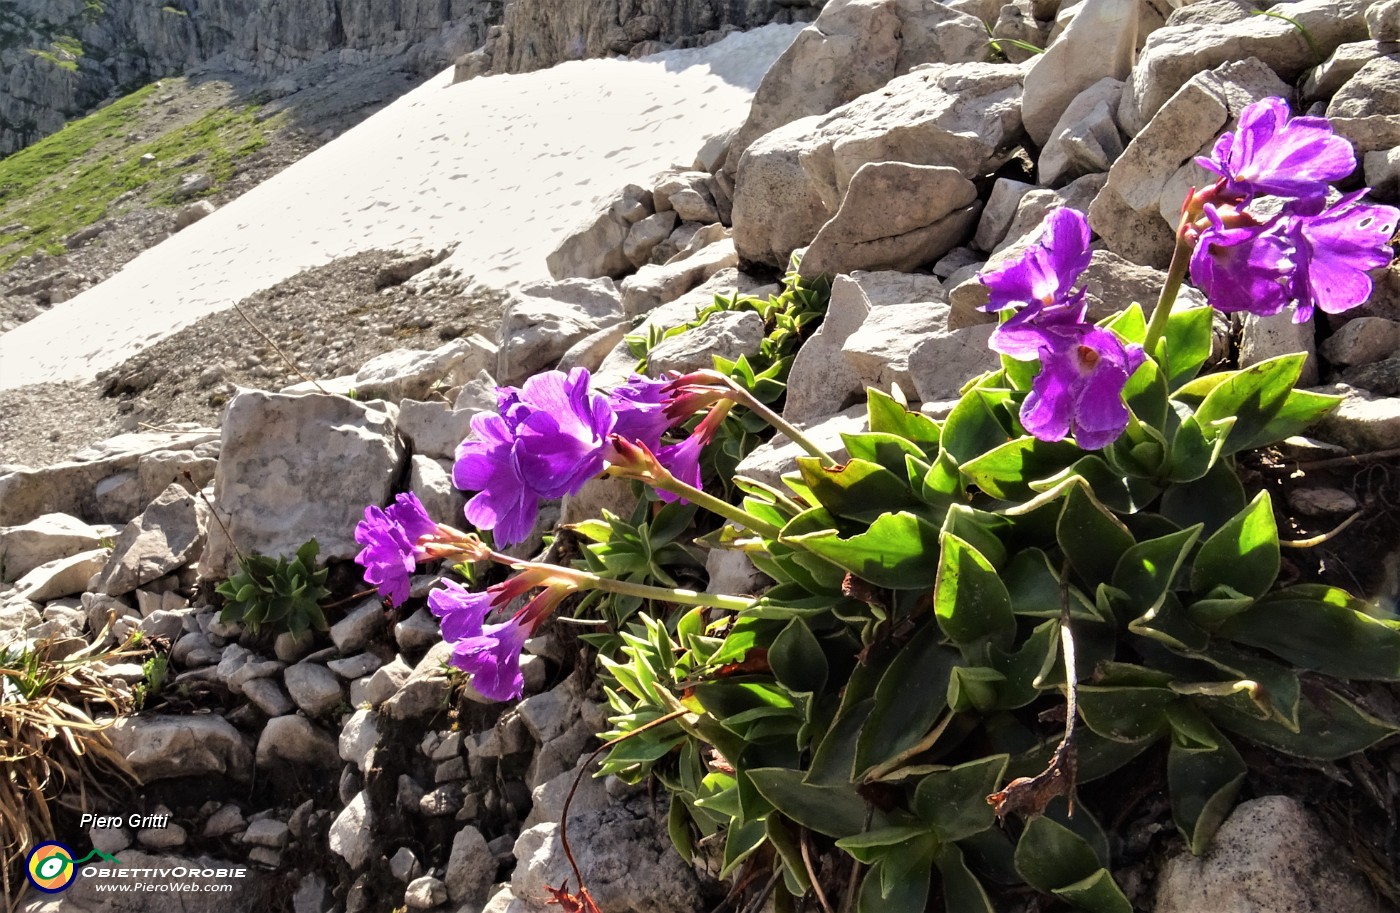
pixel 168 535
pixel 855 47
pixel 162 747
pixel 542 321
pixel 790 182
pixel 894 216
pixel 1099 43
pixel 595 249
pixel 295 468
pixel 728 334
pixel 412 373
pixel 41 540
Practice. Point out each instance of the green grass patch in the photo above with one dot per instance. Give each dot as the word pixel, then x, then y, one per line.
pixel 70 179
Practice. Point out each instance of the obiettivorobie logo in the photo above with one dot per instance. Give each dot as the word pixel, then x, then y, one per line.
pixel 51 867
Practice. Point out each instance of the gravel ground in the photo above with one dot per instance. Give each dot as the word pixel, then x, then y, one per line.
pixel 327 320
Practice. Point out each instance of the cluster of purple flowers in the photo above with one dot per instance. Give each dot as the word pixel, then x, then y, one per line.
pixel 551 436
pixel 1309 253
pixel 1083 368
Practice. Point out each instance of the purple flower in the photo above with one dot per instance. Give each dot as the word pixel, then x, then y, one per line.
pixel 1083 369
pixel 640 405
pixel 392 544
pixel 1270 154
pixel 491 653
pixel 1335 250
pixel 1046 272
pixel 1310 258
pixel 1243 267
pixel 547 441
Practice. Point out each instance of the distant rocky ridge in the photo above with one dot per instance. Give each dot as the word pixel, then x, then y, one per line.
pixel 59 59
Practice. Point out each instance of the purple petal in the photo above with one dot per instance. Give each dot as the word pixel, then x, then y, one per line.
pixel 1271 154
pixel 682 461
pixel 462 611
pixel 1245 268
pixel 493 659
pixel 1046 271
pixel 1339 247
pixel 640 405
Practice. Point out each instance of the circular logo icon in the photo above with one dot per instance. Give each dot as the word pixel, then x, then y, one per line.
pixel 50 867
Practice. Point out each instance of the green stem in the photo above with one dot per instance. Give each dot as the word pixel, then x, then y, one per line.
pixel 1176 274
pixel 664 594
pixel 668 482
pixel 750 401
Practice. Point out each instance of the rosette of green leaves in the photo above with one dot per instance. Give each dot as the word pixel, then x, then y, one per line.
pixel 897 671
pixel 276 593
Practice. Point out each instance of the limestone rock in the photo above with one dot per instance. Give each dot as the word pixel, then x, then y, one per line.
pixel 162 747
pixel 1346 61
pixel 62 576
pixel 1362 422
pixel 942 364
pixel 412 373
pixel 1182 49
pixel 72 487
pixel 728 334
pixel 1368 105
pixel 1270 854
pixel 1383 21
pixel 191 213
pixel 768 462
pixel 901 310
pixel 470 867
pixel 433 429
pixel 1086 139
pixel 643 236
pixel 791 181
pixel 41 540
pixel 327 455
pixel 360 626
pixel 595 249
pixel 313 687
pixel 653 285
pixel 1136 212
pixel 296 740
pixel 1266 337
pixel 1363 340
pixel 431 481
pixel 617 851
pixel 425 692
pixel 894 216
pixel 689 195
pixel 168 535
pixel 542 321
pixel 1099 43
pixel 351 835
pixel 822 382
pixel 855 47
pixel 1382 171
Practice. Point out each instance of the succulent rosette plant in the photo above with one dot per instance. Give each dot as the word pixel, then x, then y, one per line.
pixel 972 617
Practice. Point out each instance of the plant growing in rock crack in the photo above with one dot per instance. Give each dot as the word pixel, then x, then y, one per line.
pixel 1071 542
pixel 275 593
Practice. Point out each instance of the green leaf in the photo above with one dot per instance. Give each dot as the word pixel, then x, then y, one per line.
pixel 1005 471
pixel 892 553
pixel 1254 396
pixel 858 490
pixel 889 416
pixel 1146 571
pixel 1056 860
pixel 1203 779
pixel 899 881
pixel 972 428
pixel 1196 448
pixel 740 842
pixel 969 599
pixel 1125 714
pixel 953 802
pixel 1128 323
pixel 306 555
pixel 1210 500
pixel 910 699
pixel 866 847
pixel 1330 727
pixel 888 450
pixel 975 688
pixel 1146 394
pixel 1034 587
pixel 798 662
pixel 1316 628
pixel 1186 344
pixel 836 811
pixel 1243 554
pixel 1297 414
pixel 1093 539
pixel 962 892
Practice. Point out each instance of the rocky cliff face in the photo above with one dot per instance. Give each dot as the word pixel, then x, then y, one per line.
pixel 60 58
pixel 540 33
